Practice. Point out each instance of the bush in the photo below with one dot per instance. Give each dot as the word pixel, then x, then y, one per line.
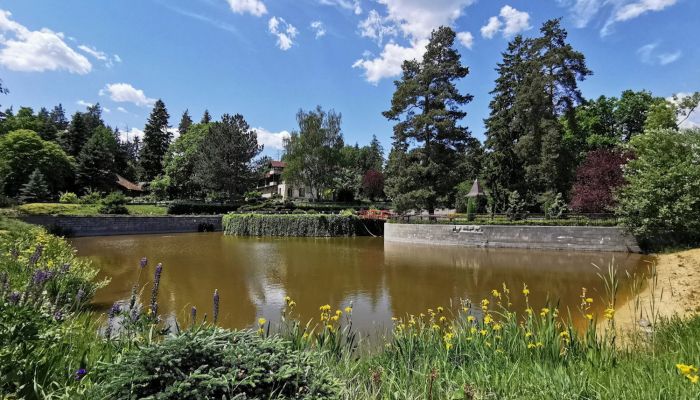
pixel 187 207
pixel 68 198
pixel 91 197
pixel 313 225
pixel 660 202
pixel 114 203
pixel 214 363
pixel 597 179
pixel 517 208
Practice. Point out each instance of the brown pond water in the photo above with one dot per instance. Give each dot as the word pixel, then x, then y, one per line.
pixel 381 280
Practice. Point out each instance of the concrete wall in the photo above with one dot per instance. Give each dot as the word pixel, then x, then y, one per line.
pixel 578 238
pixel 123 224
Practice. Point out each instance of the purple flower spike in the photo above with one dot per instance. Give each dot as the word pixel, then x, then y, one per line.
pixel 79 296
pixel 36 255
pixel 14 297
pixel 143 263
pixel 193 315
pixel 64 269
pixel 80 374
pixel 156 284
pixel 41 276
pixel 216 305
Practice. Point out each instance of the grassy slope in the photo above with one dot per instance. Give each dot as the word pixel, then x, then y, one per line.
pixel 84 209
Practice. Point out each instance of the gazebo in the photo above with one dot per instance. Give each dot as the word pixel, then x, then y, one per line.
pixel 476 189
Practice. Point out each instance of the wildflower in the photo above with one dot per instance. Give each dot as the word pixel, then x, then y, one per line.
pixel 528 311
pixel 609 313
pixel 484 303
pixel 471 318
pixel 143 262
pixel 261 321
pixel 338 313
pixel 488 319
pixel 329 327
pixel 193 314
pixel 531 346
pixel 693 378
pixel 539 344
pixel 80 374
pixel 14 297
pixel 472 330
pixel 544 312
pixel 564 334
pixel 292 304
pixel 526 291
pixel 589 300
pixel 589 317
pixel 440 310
pixel 505 288
pixel 443 320
pixel 325 308
pixel 495 293
pixel 348 310
pixel 435 326
pixel 216 305
pixel 483 332
pixel 335 318
pixel 686 369
pixel 305 336
pixel 156 284
pixel 497 327
pixel 528 334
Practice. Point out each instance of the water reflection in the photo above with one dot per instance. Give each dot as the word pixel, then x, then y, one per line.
pixel 380 279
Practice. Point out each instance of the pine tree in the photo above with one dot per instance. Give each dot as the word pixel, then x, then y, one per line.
pixel 156 139
pixel 47 130
pixel 58 118
pixel 428 140
pixel 96 162
pixel 185 123
pixel 206 118
pixel 36 189
pixel 73 139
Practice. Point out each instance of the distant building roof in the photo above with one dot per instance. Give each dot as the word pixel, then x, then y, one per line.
pixel 476 189
pixel 278 164
pixel 128 185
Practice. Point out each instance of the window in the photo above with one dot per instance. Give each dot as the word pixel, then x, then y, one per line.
pixel 289 192
pixel 301 192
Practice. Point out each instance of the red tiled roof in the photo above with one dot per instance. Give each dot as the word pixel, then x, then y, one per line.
pixel 278 164
pixel 127 184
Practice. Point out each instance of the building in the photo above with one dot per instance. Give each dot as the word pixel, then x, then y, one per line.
pixel 272 184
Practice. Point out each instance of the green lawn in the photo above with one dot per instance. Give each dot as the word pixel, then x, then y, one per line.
pixel 79 209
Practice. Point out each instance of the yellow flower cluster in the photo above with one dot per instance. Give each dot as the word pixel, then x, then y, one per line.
pixel 689 371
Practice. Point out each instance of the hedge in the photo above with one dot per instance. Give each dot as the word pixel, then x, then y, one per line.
pixel 188 207
pixel 312 225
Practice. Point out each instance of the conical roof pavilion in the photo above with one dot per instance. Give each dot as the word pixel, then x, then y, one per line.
pixel 476 189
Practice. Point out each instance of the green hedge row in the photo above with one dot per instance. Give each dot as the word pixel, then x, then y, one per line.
pixel 187 207
pixel 312 225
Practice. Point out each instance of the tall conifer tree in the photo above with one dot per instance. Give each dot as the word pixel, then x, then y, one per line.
pixel 156 139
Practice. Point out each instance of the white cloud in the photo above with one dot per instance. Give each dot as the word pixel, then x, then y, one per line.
pixel 491 28
pixel 37 51
pixel 130 134
pixel 692 121
pixel 466 39
pixel 353 5
pixel 284 31
pixel 637 8
pixel 648 54
pixel 509 22
pixel 125 93
pixel 84 103
pixel 318 28
pixel 100 55
pixel 584 11
pixel 376 27
pixel 122 110
pixel 415 19
pixel 253 7
pixel 271 140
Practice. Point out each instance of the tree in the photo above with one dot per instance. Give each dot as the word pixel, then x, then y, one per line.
pixel 597 180
pixel 73 139
pixel 660 203
pixel 428 141
pixel 224 163
pixel 96 164
pixel 185 123
pixel 373 184
pixel 206 117
pixel 156 139
pixel 58 118
pixel 313 154
pixel 36 189
pixel 686 105
pixel 631 112
pixel 24 151
pixel 180 160
pixel 662 114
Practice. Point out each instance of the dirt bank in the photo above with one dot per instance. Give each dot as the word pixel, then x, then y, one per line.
pixel 676 290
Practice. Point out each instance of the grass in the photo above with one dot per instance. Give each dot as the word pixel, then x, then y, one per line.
pixel 84 209
pixel 485 220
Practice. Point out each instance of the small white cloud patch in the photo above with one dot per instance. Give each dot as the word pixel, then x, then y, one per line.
pixel 125 93
pixel 353 5
pixel 509 22
pixel 271 140
pixel 100 55
pixel 253 7
pixel 318 28
pixel 284 31
pixel 466 39
pixel 648 54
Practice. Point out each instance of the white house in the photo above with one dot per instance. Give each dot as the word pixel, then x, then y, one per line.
pixel 273 184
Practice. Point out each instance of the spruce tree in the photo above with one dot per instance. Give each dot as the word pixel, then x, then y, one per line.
pixel 96 162
pixel 58 118
pixel 156 140
pixel 206 118
pixel 185 123
pixel 36 189
pixel 73 139
pixel 428 140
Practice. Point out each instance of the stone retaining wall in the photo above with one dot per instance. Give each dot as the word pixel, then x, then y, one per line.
pixel 578 238
pixel 107 225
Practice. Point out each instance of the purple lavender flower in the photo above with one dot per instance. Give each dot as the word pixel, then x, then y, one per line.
pixel 216 305
pixel 64 269
pixel 193 315
pixel 36 255
pixel 143 263
pixel 79 296
pixel 58 315
pixel 80 374
pixel 14 297
pixel 156 284
pixel 110 319
pixel 41 276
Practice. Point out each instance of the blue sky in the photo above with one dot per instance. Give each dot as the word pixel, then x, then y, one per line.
pixel 266 59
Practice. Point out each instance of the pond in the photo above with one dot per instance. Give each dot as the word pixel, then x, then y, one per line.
pixel 380 280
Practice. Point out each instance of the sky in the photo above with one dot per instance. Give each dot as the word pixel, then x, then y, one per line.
pixel 266 59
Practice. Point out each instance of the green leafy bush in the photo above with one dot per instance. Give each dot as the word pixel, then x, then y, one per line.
pixel 213 363
pixel 114 203
pixel 188 207
pixel 299 225
pixel 68 198
pixel 517 208
pixel 91 197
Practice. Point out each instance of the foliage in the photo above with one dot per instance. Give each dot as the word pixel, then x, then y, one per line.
pixel 298 225
pixel 517 207
pixel 156 139
pixel 185 123
pixel 68 198
pixel 313 154
pixel 428 140
pixel 597 179
pixel 555 207
pixel 179 163
pixel 113 203
pixel 96 164
pixel 461 199
pixel 215 363
pixel 187 207
pixel 224 163
pixel 24 151
pixel 36 189
pixel 91 197
pixel 373 184
pixel 661 115
pixel 85 209
pixel 660 202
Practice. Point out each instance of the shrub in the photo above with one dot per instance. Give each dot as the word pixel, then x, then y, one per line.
pixel 91 197
pixel 298 225
pixel 68 198
pixel 554 206
pixel 597 179
pixel 36 190
pixel 660 202
pixel 214 363
pixel 188 207
pixel 517 208
pixel 114 203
